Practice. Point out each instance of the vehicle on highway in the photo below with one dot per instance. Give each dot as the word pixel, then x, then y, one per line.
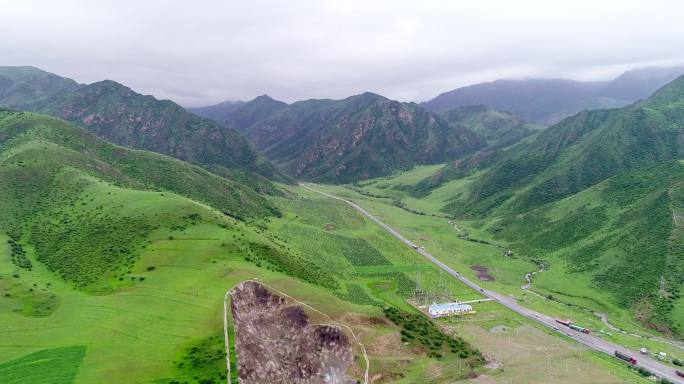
pixel 626 358
pixel 654 366
pixel 572 326
pixel 679 373
pixel 578 328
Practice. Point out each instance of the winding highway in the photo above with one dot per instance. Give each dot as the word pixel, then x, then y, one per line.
pixel 592 342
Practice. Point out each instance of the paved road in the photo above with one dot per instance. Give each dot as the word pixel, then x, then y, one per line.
pixel 589 341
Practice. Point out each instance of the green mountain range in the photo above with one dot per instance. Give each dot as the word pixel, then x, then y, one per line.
pixel 122 116
pixel 47 163
pixel 352 139
pixel 124 219
pixel 122 258
pixel 601 190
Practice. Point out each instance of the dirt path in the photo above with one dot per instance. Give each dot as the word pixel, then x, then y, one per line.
pixel 225 335
pixel 528 277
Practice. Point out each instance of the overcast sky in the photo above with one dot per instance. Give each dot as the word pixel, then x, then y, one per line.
pixel 203 52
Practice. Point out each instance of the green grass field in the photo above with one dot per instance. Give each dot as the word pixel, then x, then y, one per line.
pixel 104 278
pixel 48 366
pixel 149 325
pixel 576 291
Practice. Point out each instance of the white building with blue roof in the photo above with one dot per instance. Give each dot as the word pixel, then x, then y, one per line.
pixel 449 309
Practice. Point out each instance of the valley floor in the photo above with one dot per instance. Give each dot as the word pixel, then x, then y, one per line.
pixel 151 331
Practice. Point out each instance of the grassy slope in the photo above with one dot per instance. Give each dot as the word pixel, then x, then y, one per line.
pixel 139 323
pixel 146 325
pixel 595 194
pixel 50 366
pixel 120 115
pixel 34 147
pixel 110 268
pixel 619 232
pixel 563 280
pixel 152 267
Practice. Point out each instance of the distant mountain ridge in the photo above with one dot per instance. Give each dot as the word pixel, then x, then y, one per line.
pixel 219 112
pixel 120 115
pixel 347 140
pixel 241 113
pixel 547 101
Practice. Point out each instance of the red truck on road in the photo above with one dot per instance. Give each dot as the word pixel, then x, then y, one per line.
pixel 626 358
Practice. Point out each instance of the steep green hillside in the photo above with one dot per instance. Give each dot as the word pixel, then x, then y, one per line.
pixel 36 149
pixel 597 195
pixel 357 138
pixel 101 249
pixel 106 280
pixel 571 156
pixel 624 232
pixel 122 116
pixel 500 129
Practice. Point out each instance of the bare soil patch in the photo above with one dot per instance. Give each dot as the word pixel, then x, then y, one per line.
pixel 276 342
pixel 482 272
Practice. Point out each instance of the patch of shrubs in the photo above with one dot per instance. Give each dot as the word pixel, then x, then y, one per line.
pixel 275 259
pixel 404 285
pixel 417 329
pixel 18 254
pixel 400 204
pixel 355 294
pixel 202 363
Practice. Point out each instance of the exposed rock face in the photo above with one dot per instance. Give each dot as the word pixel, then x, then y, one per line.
pixel 275 343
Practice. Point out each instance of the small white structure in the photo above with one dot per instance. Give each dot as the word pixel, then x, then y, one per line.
pixel 449 309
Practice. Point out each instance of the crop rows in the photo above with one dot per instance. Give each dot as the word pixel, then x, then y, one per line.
pixel 355 294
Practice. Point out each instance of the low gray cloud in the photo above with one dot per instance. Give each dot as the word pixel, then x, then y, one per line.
pixel 203 52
